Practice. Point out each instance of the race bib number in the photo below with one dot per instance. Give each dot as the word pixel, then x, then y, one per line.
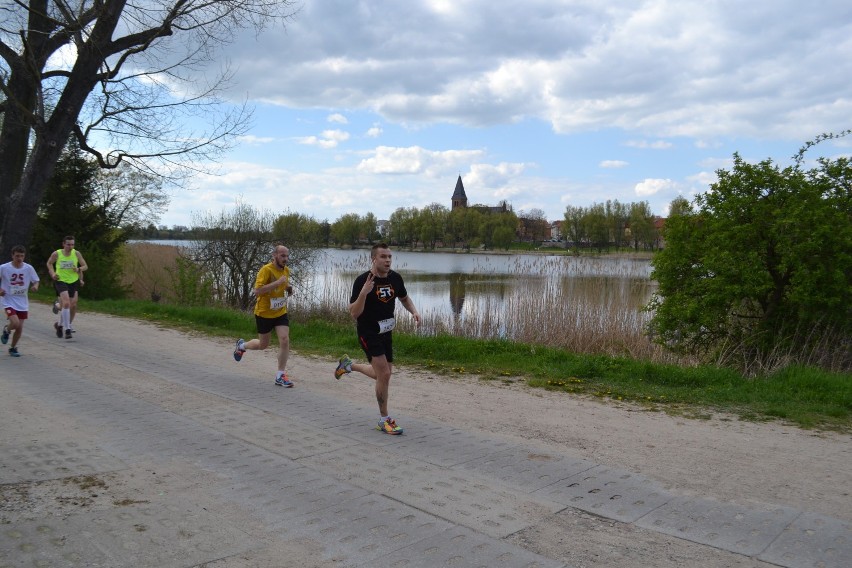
pixel 277 303
pixel 19 290
pixel 387 325
pixel 67 264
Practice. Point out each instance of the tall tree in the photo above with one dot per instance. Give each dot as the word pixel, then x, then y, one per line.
pixel 71 206
pixel 641 225
pixel 118 92
pixel 574 228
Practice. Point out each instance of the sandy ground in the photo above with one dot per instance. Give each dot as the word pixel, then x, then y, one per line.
pixel 719 458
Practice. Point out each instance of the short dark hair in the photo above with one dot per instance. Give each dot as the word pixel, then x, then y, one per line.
pixel 376 247
pixel 69 238
pixel 19 248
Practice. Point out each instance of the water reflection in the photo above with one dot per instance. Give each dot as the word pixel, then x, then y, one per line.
pixel 504 295
pixel 457 291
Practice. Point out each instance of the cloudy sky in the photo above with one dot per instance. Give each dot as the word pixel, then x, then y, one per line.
pixel 368 106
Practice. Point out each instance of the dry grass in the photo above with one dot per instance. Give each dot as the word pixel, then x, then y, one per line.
pixel 149 271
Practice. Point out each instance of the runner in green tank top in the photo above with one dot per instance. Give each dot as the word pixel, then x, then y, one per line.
pixel 66 267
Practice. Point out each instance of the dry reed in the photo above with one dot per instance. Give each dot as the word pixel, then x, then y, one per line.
pixel 149 271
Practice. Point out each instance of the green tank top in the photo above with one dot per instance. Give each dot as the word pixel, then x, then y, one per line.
pixel 65 266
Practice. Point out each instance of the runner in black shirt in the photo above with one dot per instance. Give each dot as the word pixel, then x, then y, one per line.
pixel 372 304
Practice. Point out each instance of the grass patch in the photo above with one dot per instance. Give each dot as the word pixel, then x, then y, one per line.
pixel 804 396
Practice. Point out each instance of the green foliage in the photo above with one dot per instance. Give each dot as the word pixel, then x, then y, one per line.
pixel 503 237
pixel 190 286
pixel 761 266
pixel 348 229
pixel 296 229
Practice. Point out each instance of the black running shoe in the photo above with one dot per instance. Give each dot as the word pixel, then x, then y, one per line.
pixel 58 329
pixel 67 334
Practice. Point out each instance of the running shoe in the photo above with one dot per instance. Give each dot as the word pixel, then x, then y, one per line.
pixel 68 333
pixel 5 337
pixel 283 382
pixel 56 306
pixel 58 329
pixel 239 350
pixel 13 351
pixel 389 427
pixel 344 367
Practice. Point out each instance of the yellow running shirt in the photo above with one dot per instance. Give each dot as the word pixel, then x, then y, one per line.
pixel 273 304
pixel 66 265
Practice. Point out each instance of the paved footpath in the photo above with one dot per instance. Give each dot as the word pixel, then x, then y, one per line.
pixel 169 462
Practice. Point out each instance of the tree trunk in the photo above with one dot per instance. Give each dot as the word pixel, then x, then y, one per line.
pixel 22 182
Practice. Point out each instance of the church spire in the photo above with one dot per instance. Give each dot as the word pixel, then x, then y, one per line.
pixel 459 197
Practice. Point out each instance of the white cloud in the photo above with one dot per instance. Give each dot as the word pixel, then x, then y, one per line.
pixel 613 164
pixel 338 118
pixel 703 180
pixel 328 139
pixel 415 160
pixel 647 145
pixel 662 68
pixel 252 140
pixel 654 186
pixel 374 131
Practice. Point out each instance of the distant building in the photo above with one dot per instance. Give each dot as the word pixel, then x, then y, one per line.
pixel 556 230
pixel 459 199
pixel 459 196
pixel 382 227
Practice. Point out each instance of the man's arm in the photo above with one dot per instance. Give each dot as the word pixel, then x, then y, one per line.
pixel 81 264
pixel 356 308
pixel 267 288
pixel 408 304
pixel 81 267
pixel 51 264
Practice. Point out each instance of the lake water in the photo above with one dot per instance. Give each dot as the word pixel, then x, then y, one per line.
pixel 489 293
pixel 517 296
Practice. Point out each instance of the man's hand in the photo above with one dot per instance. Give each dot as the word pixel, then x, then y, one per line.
pixel 369 284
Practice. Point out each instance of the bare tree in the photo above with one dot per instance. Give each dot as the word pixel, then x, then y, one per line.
pixel 236 244
pixel 130 197
pixel 118 76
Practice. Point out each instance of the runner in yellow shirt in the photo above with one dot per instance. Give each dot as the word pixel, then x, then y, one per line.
pixel 272 288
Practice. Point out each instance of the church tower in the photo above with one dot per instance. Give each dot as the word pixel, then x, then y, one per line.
pixel 459 197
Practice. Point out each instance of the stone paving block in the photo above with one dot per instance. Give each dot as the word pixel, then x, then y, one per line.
pixel 608 492
pixel 812 540
pixel 493 508
pixel 460 546
pixel 321 409
pixel 723 525
pixel 526 468
pixel 46 544
pixel 243 459
pixel 39 461
pixel 357 531
pixel 280 495
pixel 446 446
pixel 286 436
pixel 173 533
pixel 176 533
